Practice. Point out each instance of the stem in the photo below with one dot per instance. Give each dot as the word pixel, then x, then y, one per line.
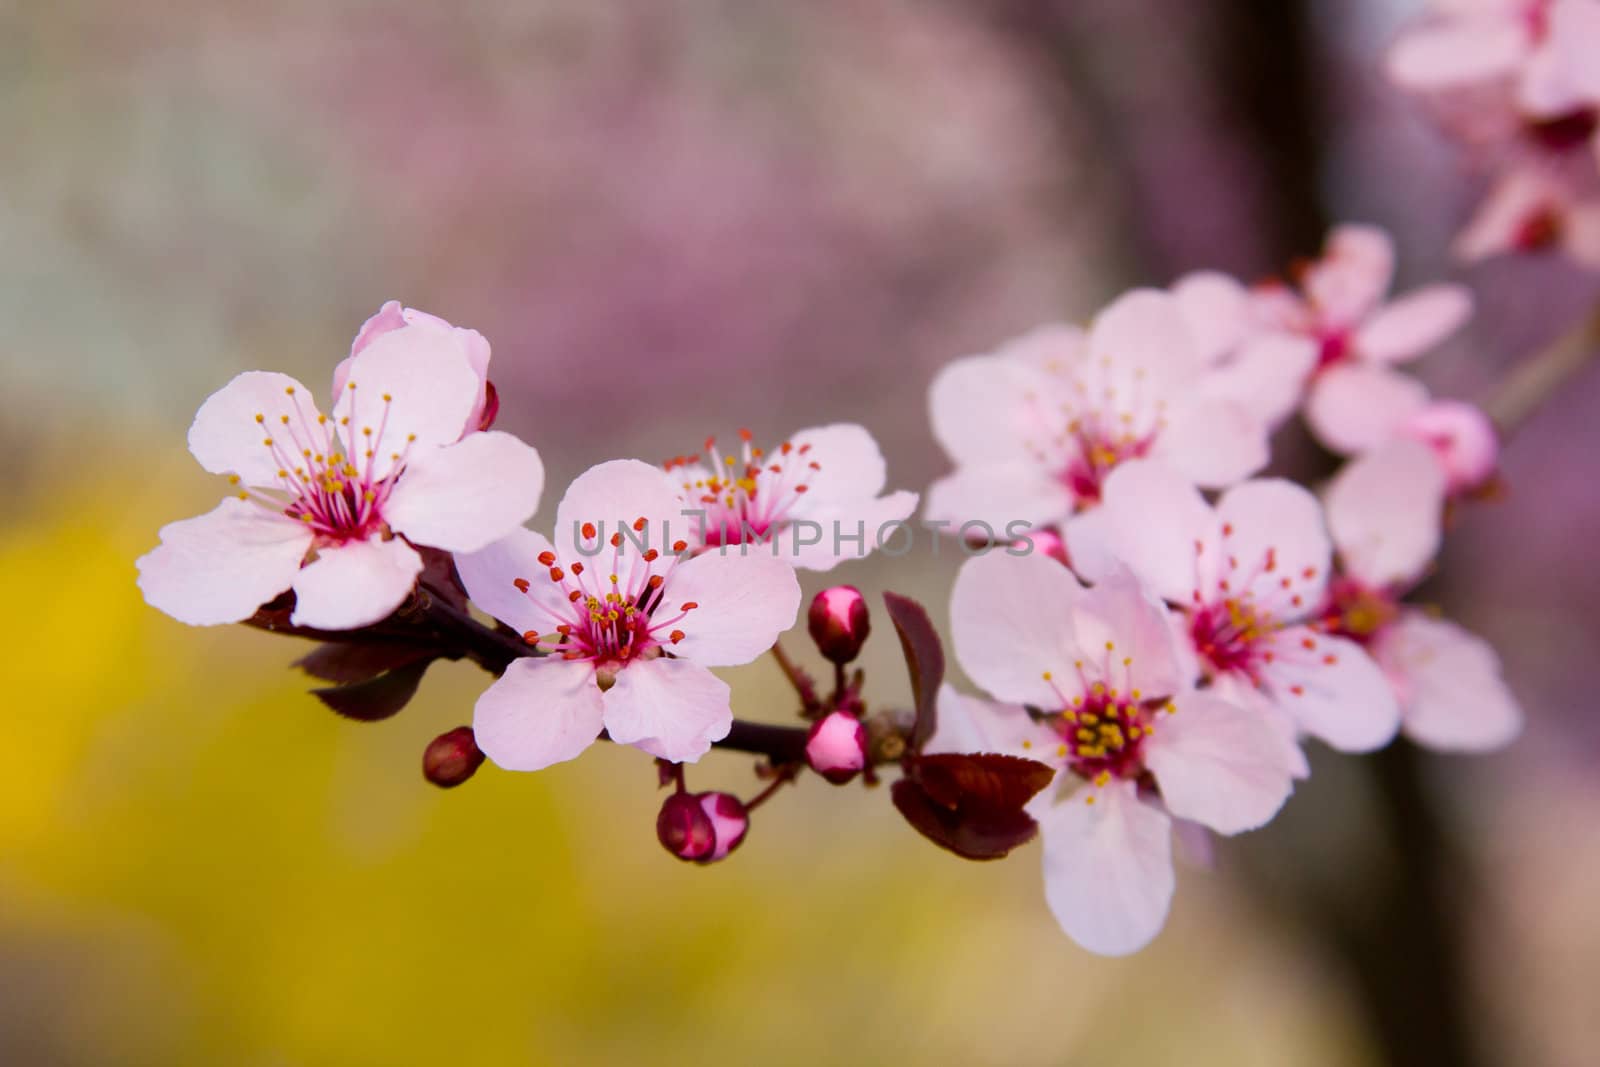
pixel 1539 376
pixel 798 678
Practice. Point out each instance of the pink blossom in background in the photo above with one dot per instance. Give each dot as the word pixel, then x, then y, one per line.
pixel 1115 712
pixel 330 505
pixel 605 611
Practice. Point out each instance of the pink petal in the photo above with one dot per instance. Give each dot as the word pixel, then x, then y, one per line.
pixel 1267 377
pixel 972 724
pixel 221 566
pixel 1213 441
pixel 1144 337
pixel 852 469
pixel 1448 55
pixel 1354 408
pixel 463 496
pixel 744 603
pixel 1333 690
pixel 1108 868
pixel 1152 519
pixel 1410 325
pixel 670 708
pixel 1550 87
pixel 540 712
pixel 1216 309
pixel 1386 514
pixel 1452 695
pixel 386 318
pixel 1580 234
pixel 1219 764
pixel 355 584
pixel 227 438
pixel 1131 633
pixel 998 494
pixel 1011 622
pixel 1463 440
pixel 1272 531
pixel 980 406
pixel 874 519
pixel 614 495
pixel 1574 39
pixel 392 317
pixel 1239 691
pixel 1517 202
pixel 490 576
pixel 1353 274
pixel 413 388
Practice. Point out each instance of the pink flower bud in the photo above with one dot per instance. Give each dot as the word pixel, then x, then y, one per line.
pixel 684 827
pixel 1046 543
pixel 451 758
pixel 1462 437
pixel 838 622
pixel 837 747
pixel 728 818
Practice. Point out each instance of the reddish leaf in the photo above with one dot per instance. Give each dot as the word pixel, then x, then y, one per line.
pixel 378 698
pixel 358 661
pixel 984 781
pixel 924 659
pixel 971 804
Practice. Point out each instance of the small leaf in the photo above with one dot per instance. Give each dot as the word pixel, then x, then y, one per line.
pixel 984 781
pixel 358 661
pixel 924 659
pixel 378 698
pixel 971 805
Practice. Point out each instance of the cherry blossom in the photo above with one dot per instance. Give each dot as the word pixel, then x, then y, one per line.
pixel 1035 427
pixel 1092 683
pixel 1385 513
pixel 1534 209
pixel 1248 577
pixel 392 316
pixel 628 623
pixel 1341 306
pixel 332 505
pixel 815 498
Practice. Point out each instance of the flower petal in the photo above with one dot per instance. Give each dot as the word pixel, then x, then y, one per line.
pixel 985 408
pixel 1452 696
pixel 490 576
pixel 354 584
pixel 1011 622
pixel 1355 270
pixel 969 724
pixel 1108 874
pixel 1213 441
pixel 1131 635
pixel 1451 54
pixel 613 495
pixel 996 494
pixel 1153 520
pixel 1410 325
pixel 1219 764
pixel 1332 689
pixel 1353 408
pixel 1141 336
pixel 743 602
pixel 875 520
pixel 463 496
pixel 1267 377
pixel 227 437
pixel 670 708
pixel 1386 513
pixel 410 387
pixel 540 712
pixel 849 467
pixel 221 566
pixel 1272 534
pixel 1215 307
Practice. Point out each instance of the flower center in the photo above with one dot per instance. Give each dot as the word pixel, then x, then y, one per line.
pixel 1565 132
pixel 1333 348
pixel 611 616
pixel 1094 457
pixel 328 473
pixel 1356 611
pixel 749 496
pixel 1227 635
pixel 1103 728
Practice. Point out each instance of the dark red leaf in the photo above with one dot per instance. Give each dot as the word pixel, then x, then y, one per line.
pixel 377 698
pixel 972 837
pixel 924 659
pixel 358 661
pixel 971 804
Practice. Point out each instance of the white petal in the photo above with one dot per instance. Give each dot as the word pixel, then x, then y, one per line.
pixel 1239 690
pixel 354 584
pixel 973 724
pixel 1152 519
pixel 614 495
pixel 490 576
pixel 1267 376
pixel 849 466
pixel 1108 868
pixel 1215 308
pixel 221 566
pixel 1214 441
pixel 1354 272
pixel 1219 764
pixel 1451 693
pixel 997 494
pixel 540 712
pixel 226 436
pixel 1272 531
pixel 413 388
pixel 1353 408
pixel 1346 702
pixel 1129 636
pixel 670 708
pixel 463 496
pixel 1386 513
pixel 743 603
pixel 1408 326
pixel 985 408
pixel 1142 336
pixel 874 520
pixel 1452 54
pixel 1011 622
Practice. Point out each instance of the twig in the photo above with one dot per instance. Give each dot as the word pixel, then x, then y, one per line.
pixel 1539 376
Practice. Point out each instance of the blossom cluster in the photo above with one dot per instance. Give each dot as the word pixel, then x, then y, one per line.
pixel 1517 82
pixel 1153 653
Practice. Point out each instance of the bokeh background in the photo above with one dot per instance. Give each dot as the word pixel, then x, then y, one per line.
pixel 674 218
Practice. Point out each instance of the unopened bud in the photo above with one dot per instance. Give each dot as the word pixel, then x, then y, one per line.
pixel 451 758
pixel 730 820
pixel 838 622
pixel 684 828
pixel 1462 437
pixel 836 748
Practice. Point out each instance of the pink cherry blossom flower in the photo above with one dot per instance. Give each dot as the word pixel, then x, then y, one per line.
pixel 331 505
pixel 1035 427
pixel 628 621
pixel 392 316
pixel 1341 307
pixel 1534 209
pixel 1093 685
pixel 1462 439
pixel 815 498
pixel 1385 512
pixel 1248 577
pixel 1264 370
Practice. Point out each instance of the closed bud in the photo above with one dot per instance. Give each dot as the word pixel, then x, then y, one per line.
pixel 838 622
pixel 451 758
pixel 1463 439
pixel 837 747
pixel 728 818
pixel 701 827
